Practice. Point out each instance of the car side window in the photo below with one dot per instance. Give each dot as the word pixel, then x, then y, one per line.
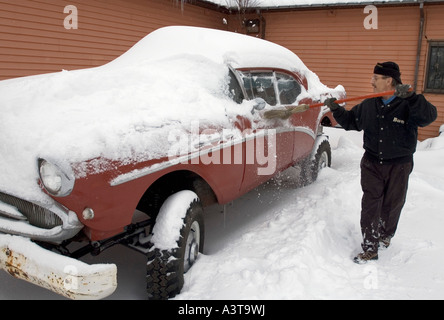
pixel 234 89
pixel 260 85
pixel 289 89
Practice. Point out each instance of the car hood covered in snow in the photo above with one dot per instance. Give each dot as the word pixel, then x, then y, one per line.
pixel 126 109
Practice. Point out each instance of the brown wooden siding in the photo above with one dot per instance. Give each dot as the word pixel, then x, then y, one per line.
pixel 434 30
pixel 33 39
pixel 335 45
pixel 332 42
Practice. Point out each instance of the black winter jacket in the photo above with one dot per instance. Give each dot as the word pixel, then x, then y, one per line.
pixel 391 131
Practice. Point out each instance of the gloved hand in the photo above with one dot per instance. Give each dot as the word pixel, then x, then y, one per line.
pixel 330 102
pixel 402 91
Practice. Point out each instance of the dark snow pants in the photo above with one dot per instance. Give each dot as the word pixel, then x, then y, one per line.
pixel 385 189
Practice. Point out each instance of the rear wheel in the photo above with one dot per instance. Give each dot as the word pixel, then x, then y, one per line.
pixel 319 159
pixel 166 265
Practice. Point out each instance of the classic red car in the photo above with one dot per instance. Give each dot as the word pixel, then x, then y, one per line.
pixel 133 151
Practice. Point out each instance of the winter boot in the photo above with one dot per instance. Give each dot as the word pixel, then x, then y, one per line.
pixel 365 256
pixel 384 242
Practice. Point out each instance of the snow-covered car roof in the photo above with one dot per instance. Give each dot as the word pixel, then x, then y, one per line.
pixel 216 45
pixel 120 110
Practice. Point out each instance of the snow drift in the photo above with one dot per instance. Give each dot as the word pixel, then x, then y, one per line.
pixel 124 110
pixel 281 242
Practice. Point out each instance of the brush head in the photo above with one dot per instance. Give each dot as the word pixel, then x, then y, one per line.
pixel 285 113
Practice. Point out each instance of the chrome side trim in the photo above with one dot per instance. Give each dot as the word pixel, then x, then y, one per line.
pixel 187 159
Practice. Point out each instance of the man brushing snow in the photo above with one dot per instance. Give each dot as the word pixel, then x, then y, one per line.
pixel 390 125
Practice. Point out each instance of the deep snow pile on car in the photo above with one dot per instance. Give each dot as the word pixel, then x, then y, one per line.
pixel 177 116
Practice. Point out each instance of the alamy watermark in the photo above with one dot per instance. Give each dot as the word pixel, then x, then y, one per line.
pixel 71 282
pixel 229 146
pixel 71 21
pixel 371 278
pixel 371 21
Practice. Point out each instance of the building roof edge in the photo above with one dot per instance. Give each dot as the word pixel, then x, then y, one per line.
pixel 326 4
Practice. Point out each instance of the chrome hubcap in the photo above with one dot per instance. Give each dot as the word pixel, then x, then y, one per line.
pixel 192 246
pixel 323 161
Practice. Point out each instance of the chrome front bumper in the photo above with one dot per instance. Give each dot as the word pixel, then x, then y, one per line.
pixel 24 259
pixel 45 222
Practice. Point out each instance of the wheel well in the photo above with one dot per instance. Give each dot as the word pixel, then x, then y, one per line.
pixel 173 182
pixel 326 122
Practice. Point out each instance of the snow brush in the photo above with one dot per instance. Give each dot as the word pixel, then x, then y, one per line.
pixel 286 113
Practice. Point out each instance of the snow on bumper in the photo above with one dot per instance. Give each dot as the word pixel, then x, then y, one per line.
pixel 66 276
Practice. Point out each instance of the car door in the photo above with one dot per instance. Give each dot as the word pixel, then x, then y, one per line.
pixel 268 143
pixel 304 124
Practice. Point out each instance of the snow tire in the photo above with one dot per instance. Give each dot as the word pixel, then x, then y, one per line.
pixel 166 268
pixel 311 166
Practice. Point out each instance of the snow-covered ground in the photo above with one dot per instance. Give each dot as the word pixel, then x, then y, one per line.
pixel 282 242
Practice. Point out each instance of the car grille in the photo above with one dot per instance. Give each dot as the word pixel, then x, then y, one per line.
pixel 36 215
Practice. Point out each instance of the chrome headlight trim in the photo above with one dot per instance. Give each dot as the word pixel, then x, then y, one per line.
pixel 57 179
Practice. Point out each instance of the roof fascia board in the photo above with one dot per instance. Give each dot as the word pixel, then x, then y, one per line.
pixel 224 9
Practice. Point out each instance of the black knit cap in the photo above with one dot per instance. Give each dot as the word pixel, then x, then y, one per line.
pixel 388 68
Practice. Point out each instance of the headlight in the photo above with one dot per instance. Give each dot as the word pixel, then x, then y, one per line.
pixel 56 180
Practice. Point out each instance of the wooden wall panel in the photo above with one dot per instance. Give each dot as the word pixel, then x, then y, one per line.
pixel 332 42
pixel 33 39
pixel 335 45
pixel 433 31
